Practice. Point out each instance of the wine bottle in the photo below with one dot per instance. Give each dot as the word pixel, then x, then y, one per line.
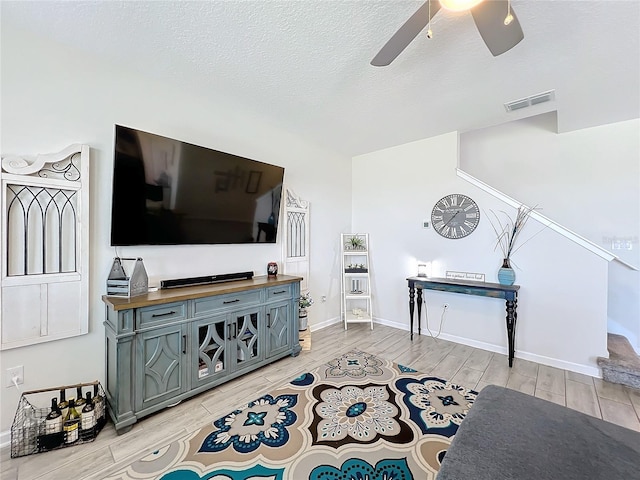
pixel 79 399
pixel 30 429
pixel 71 424
pixel 63 406
pixel 98 405
pixel 53 420
pixel 88 414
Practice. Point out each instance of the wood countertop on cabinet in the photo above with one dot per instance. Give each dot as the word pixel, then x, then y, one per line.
pixel 179 294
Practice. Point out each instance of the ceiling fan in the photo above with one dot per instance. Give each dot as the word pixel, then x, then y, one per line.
pixel 495 20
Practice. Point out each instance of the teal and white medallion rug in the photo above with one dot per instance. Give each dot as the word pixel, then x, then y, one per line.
pixel 357 417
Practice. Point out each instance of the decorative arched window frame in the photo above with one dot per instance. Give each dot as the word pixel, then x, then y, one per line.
pixel 44 263
pixel 296 238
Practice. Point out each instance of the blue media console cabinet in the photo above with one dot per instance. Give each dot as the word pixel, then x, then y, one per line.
pixel 509 293
pixel 166 346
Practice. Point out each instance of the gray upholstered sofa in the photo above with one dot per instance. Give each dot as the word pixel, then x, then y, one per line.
pixel 508 435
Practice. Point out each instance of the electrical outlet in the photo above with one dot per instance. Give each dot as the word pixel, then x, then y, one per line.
pixel 445 305
pixel 14 372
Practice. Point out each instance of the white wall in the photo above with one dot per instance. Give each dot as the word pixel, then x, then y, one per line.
pixel 563 296
pixel 53 96
pixel 587 180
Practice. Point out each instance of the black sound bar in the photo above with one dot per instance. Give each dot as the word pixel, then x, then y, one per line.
pixel 188 282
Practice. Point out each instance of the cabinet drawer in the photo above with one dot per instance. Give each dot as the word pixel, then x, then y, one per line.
pixel 231 300
pixel 278 293
pixel 160 314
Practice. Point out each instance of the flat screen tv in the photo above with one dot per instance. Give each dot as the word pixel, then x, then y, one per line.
pixel 168 192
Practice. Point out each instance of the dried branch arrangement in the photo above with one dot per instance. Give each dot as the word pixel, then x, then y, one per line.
pixel 508 229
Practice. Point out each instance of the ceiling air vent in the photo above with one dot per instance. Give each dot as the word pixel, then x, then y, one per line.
pixel 542 97
pixel 529 101
pixel 517 104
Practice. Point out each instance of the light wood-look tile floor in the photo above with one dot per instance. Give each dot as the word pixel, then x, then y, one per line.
pixel 469 366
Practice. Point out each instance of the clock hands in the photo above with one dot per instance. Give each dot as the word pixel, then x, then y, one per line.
pixel 454 216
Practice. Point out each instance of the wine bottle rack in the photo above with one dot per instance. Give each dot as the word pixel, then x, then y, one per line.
pixel 28 435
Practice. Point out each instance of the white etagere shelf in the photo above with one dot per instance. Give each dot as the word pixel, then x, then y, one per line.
pixel 356 279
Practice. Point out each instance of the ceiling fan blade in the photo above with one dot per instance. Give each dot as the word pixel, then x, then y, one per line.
pixel 489 17
pixel 405 34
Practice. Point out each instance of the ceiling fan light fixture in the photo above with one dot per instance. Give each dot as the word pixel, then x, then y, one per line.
pixel 459 5
pixel 488 17
pixel 509 18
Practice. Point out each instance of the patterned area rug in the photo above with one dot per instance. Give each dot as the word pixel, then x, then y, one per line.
pixel 357 417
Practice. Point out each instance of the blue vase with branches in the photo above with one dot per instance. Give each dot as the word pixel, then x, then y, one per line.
pixel 506 274
pixel 508 230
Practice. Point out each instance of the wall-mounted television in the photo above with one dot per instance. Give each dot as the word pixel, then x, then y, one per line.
pixel 169 192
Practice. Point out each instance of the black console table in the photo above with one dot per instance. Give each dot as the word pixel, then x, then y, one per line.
pixel 507 292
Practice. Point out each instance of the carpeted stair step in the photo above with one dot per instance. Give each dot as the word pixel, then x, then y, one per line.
pixel 623 364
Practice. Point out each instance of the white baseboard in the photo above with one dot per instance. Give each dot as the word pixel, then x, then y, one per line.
pixel 589 370
pixel 391 323
pixel 551 362
pixel 327 323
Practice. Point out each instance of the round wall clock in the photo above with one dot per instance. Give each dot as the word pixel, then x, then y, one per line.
pixel 455 216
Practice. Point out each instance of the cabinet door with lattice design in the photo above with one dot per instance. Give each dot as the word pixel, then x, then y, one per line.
pixel 160 365
pixel 210 357
pixel 245 336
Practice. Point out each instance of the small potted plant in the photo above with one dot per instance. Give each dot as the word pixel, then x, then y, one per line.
pixel 355 268
pixel 356 243
pixel 304 302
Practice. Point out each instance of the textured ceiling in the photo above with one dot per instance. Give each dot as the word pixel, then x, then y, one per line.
pixel 305 64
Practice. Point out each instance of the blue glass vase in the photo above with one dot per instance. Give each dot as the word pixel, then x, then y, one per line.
pixel 506 274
